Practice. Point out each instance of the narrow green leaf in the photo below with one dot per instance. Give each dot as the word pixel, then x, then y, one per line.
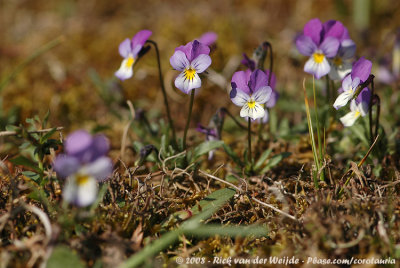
pixel 46 136
pixel 23 161
pixel 232 231
pixel 262 159
pixel 205 147
pixel 275 161
pixel 208 206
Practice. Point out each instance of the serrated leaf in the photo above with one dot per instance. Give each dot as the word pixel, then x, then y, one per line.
pixel 206 147
pixel 275 161
pixel 64 257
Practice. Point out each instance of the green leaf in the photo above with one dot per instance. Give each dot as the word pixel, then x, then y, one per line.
pixel 32 175
pixel 208 205
pixel 45 119
pixel 12 128
pixel 275 161
pixel 262 159
pixel 23 161
pixel 213 201
pixel 232 155
pixel 232 231
pixel 205 147
pixel 46 136
pixel 64 257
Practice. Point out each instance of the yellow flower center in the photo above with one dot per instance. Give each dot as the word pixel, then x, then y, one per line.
pixel 189 74
pixel 129 62
pixel 251 104
pixel 357 114
pixel 338 61
pixel 81 179
pixel 318 57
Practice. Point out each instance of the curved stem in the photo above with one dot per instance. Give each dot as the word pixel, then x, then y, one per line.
pixel 188 119
pixel 160 76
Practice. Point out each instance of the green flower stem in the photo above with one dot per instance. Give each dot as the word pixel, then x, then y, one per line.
pixel 249 143
pixel 171 122
pixel 188 119
pixel 321 156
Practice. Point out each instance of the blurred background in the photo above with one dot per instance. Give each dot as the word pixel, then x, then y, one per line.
pixel 74 80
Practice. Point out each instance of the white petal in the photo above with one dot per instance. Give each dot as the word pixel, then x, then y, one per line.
pixel 201 63
pixel 240 98
pixel 82 194
pixel 353 105
pixel 349 119
pixel 338 72
pixel 186 85
pixel 99 169
pixel 125 71
pixel 317 69
pixel 266 117
pixel 343 99
pixel 323 68
pixel 253 113
pixel 262 95
pixel 310 66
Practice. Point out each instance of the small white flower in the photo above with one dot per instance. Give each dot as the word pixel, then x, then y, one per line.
pixel 357 110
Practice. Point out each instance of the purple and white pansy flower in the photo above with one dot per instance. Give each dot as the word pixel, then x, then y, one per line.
pixel 251 64
pixel 250 90
pixel 319 42
pixel 358 107
pixel 191 60
pixel 359 74
pixel 83 165
pixel 341 64
pixel 129 49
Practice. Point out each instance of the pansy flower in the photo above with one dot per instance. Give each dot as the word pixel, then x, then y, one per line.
pixel 358 107
pixel 191 60
pixel 319 42
pixel 341 64
pixel 251 64
pixel 359 74
pixel 84 164
pixel 129 49
pixel 250 90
